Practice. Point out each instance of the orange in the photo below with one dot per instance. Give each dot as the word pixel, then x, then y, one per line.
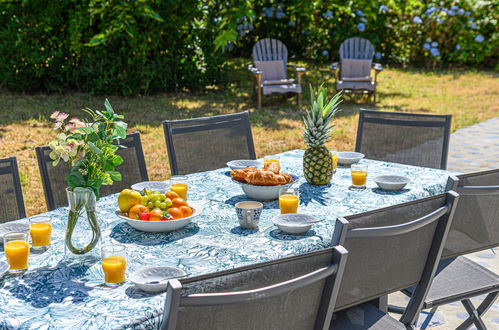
pixel 172 195
pixel 135 210
pixel 186 211
pixel 156 214
pixel 175 213
pixel 178 202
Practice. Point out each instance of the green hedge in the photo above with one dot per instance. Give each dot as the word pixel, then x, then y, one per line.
pixel 139 46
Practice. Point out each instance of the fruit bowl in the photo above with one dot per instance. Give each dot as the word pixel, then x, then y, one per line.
pixel 264 193
pixel 162 226
pixel 349 158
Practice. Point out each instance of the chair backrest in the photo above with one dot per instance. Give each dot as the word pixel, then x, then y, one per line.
pixel 394 248
pixel 407 138
pixel 356 55
pixel 270 50
pixel 133 170
pixel 476 223
pixel 207 143
pixel 11 195
pixel 292 293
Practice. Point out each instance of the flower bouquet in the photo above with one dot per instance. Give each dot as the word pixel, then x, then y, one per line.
pixel 89 147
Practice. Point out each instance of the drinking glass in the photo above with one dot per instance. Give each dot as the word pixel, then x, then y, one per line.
pixel 269 159
pixel 114 264
pixel 178 184
pixel 359 176
pixel 289 198
pixel 40 230
pixel 334 155
pixel 16 247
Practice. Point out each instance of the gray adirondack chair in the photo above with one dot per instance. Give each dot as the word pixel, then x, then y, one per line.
pixel 269 69
pixel 353 72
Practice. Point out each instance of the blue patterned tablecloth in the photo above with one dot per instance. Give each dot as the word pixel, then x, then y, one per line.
pixel 55 294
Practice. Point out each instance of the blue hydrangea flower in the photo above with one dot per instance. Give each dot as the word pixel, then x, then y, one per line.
pixel 434 52
pixel 280 15
pixel 249 27
pixel 383 8
pixel 328 14
pixel 291 23
pixel 242 33
pixel 468 13
pixel 378 55
pixel 426 45
pixel 479 38
pixel 460 11
pixel 458 47
pixel 440 20
pixel 471 19
pixel 454 7
pixel 240 27
pixel 473 26
pixel 417 20
pixel 325 53
pixel 229 46
pixel 360 13
pixel 429 10
pixel 434 44
pixel 361 27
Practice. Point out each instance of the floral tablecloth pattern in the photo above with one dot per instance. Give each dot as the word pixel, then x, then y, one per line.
pixel 55 293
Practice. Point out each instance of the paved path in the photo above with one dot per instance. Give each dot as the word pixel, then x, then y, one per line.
pixel 474 148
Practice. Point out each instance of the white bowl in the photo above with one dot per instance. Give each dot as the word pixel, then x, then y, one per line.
pixel 264 193
pixel 4 268
pixel 348 158
pixel 241 163
pixel 159 277
pixel 391 182
pixel 162 226
pixel 12 227
pixel 294 223
pixel 161 186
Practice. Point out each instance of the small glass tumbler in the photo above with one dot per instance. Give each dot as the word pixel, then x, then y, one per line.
pixel 114 264
pixel 40 230
pixel 16 247
pixel 334 156
pixel 270 159
pixel 178 184
pixel 289 199
pixel 359 176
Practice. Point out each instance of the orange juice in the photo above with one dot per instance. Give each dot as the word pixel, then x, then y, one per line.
pixel 266 161
pixel 359 178
pixel 17 253
pixel 114 269
pixel 335 161
pixel 180 189
pixel 288 203
pixel 40 233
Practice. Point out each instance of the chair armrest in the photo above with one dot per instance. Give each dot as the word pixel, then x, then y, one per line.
pixel 335 66
pixel 254 70
pixel 378 67
pixel 297 68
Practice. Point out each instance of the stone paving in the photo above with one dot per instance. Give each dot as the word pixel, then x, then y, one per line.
pixel 472 149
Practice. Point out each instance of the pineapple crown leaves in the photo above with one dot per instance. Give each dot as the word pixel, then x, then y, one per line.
pixel 318 126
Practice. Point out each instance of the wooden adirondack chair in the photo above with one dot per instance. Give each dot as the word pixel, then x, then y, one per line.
pixel 353 72
pixel 269 69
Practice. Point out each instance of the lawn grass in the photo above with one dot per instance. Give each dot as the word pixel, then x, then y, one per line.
pixel 470 96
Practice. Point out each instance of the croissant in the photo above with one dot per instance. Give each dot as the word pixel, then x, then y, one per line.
pixel 240 175
pixel 265 178
pixel 272 167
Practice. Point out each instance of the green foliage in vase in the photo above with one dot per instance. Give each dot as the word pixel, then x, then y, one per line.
pixel 89 147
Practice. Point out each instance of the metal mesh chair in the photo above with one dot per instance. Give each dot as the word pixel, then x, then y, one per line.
pixel 413 139
pixel 133 170
pixel 475 227
pixel 207 143
pixel 380 261
pixel 292 293
pixel 11 196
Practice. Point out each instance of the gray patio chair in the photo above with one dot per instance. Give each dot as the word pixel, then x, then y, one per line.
pixel 406 138
pixel 208 143
pixel 380 261
pixel 353 72
pixel 269 69
pixel 11 195
pixel 133 170
pixel 475 227
pixel 298 292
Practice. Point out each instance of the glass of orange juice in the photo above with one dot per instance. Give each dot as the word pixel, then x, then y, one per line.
pixel 289 198
pixel 114 264
pixel 359 176
pixel 178 184
pixel 269 159
pixel 40 230
pixel 334 155
pixel 16 247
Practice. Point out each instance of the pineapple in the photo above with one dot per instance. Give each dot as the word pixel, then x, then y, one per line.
pixel 317 161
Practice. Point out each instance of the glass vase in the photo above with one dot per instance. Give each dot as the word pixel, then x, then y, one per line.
pixel 83 235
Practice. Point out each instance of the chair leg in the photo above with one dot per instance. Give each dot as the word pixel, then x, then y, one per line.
pixel 298 99
pixel 374 97
pixel 259 98
pixel 476 314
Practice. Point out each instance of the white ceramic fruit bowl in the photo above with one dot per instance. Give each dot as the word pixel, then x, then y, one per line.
pixel 242 163
pixel 162 226
pixel 391 182
pixel 155 279
pixel 348 158
pixel 294 223
pixel 161 186
pixel 264 193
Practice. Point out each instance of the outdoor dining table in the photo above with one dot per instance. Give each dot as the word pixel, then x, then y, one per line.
pixel 56 294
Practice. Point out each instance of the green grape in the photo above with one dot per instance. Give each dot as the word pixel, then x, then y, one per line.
pixel 148 191
pixel 150 205
pixel 144 200
pixel 162 197
pixel 168 202
pixel 157 204
pixel 163 205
